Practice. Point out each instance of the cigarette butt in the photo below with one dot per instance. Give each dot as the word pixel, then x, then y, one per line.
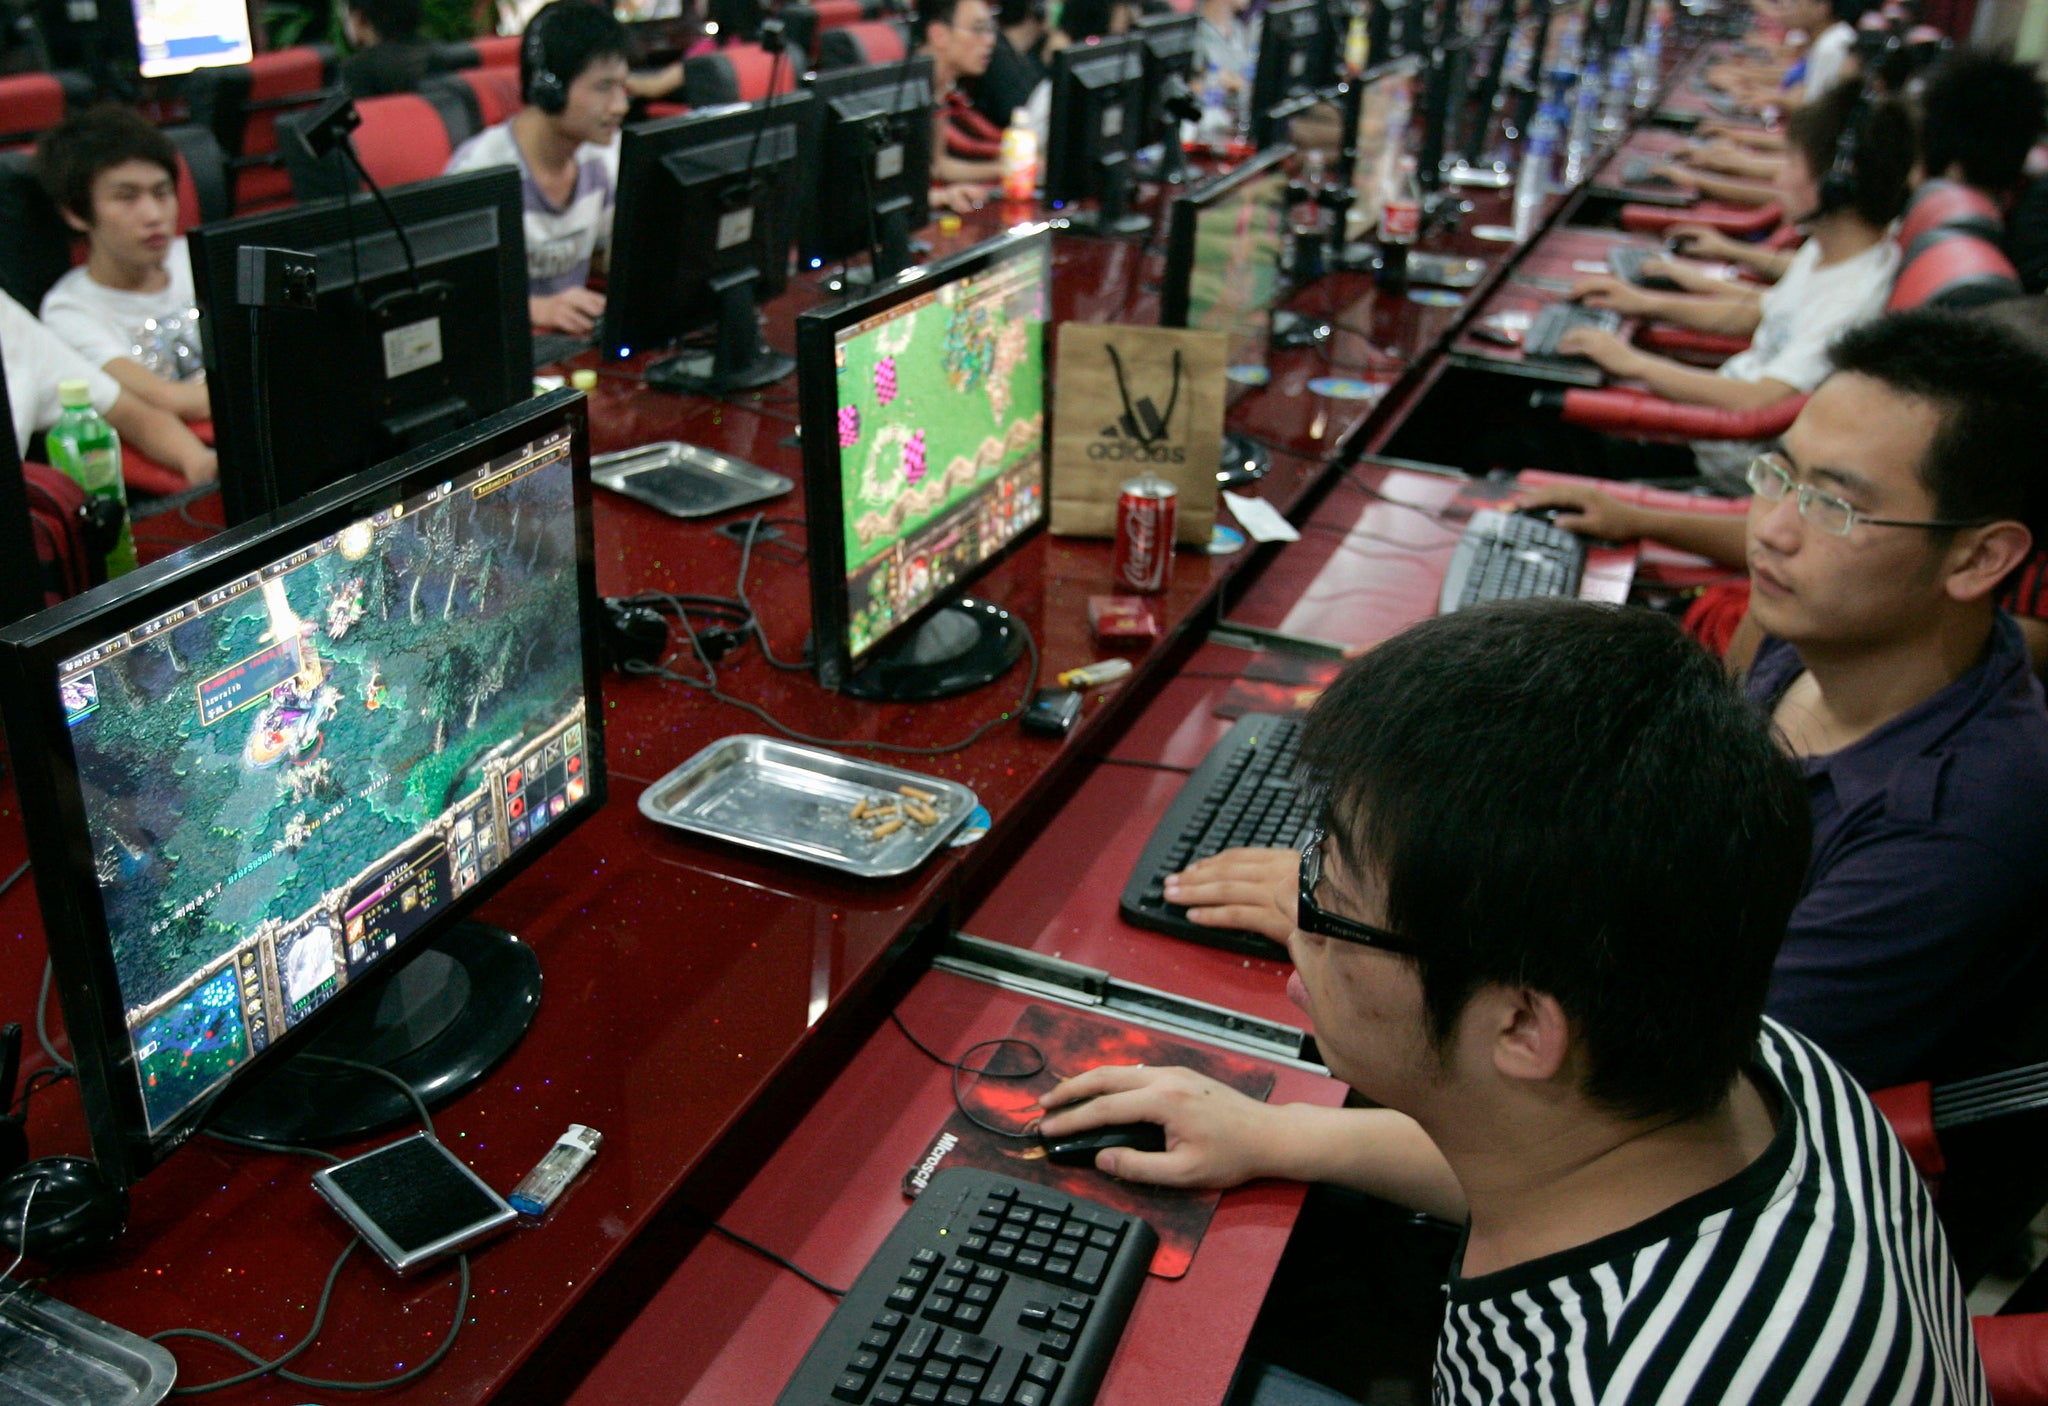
pixel 858 811
pixel 882 810
pixel 920 812
pixel 886 829
pixel 915 794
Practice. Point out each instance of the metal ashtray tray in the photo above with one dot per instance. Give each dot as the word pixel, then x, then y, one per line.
pixel 1445 270
pixel 52 1353
pixel 801 803
pixel 685 480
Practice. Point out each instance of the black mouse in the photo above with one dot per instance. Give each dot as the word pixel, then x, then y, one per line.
pixel 76 1210
pixel 1079 1149
pixel 1547 514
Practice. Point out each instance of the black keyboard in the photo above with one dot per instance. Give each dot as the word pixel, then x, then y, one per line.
pixel 1245 792
pixel 989 1292
pixel 1555 319
pixel 551 347
pixel 1627 263
pixel 1506 556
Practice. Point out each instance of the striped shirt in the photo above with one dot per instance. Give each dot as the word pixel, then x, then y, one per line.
pixel 1816 1274
pixel 560 239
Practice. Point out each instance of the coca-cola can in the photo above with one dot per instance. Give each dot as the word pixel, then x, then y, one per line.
pixel 1145 513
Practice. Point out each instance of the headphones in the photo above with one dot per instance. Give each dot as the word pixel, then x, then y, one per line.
pixel 544 88
pixel 1838 187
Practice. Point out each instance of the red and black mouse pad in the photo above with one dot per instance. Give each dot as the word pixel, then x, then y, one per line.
pixel 1072 1042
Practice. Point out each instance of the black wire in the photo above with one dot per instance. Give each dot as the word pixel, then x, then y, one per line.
pixel 754 524
pixel 767 1254
pixel 43 1020
pixel 12 879
pixel 1157 766
pixel 985 1070
pixel 41 1079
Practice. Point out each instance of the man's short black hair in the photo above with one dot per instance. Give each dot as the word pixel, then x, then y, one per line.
pixel 1884 148
pixel 931 12
pixel 394 20
pixel 1985 379
pixel 1982 113
pixel 1573 798
pixel 71 158
pixel 574 34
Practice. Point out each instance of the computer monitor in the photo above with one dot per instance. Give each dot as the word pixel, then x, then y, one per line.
pixel 1226 239
pixel 701 236
pixel 1173 45
pixel 381 365
pixel 263 775
pixel 1098 92
pixel 1443 98
pixel 923 408
pixel 177 36
pixel 1290 47
pixel 871 129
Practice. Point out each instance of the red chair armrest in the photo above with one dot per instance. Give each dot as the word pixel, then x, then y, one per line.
pixel 1640 415
pixel 1909 1108
pixel 144 475
pixel 1684 341
pixel 2015 1353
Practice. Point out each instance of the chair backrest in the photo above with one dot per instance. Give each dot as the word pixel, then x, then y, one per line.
pixel 36 251
pixel 30 105
pixel 494 91
pixel 1943 204
pixel 498 51
pixel 737 73
pixel 203 191
pixel 404 137
pixel 452 57
pixel 242 103
pixel 1953 268
pixel 871 41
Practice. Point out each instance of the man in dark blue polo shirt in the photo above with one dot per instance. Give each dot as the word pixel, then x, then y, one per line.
pixel 1880 533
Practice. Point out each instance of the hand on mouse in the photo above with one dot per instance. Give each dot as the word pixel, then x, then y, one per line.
pixel 1251 889
pixel 1216 1137
pixel 1605 350
pixel 1585 510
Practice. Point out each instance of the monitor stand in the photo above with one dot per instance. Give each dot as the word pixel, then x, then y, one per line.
pixel 1112 217
pixel 887 259
pixel 964 645
pixel 1242 461
pixel 740 362
pixel 441 1023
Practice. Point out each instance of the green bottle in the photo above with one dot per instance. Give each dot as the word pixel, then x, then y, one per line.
pixel 85 448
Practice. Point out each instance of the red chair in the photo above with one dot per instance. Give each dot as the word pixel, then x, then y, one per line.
pixel 1953 268
pixel 31 104
pixel 876 41
pixel 1737 221
pixel 498 51
pixel 241 103
pixel 738 73
pixel 404 137
pixel 203 192
pixel 492 94
pixel 1940 204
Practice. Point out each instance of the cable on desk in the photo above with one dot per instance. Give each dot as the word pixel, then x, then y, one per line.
pixel 767 1254
pixel 754 525
pixel 1158 766
pixel 985 1070
pixel 12 879
pixel 43 1020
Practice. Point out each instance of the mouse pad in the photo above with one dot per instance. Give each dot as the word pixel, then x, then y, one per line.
pixel 1072 1042
pixel 1276 682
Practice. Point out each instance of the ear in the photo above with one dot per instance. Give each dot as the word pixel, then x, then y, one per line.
pixel 78 226
pixel 1532 1034
pixel 1983 556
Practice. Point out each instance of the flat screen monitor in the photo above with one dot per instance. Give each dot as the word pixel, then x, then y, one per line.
pixel 1098 93
pixel 924 427
pixel 1173 45
pixel 1226 241
pixel 1290 50
pixel 871 128
pixel 1386 103
pixel 701 236
pixel 177 36
pixel 264 774
pixel 382 364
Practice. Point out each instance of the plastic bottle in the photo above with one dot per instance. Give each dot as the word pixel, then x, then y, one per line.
pixel 1532 182
pixel 1578 144
pixel 1020 157
pixel 84 447
pixel 1217 121
pixel 1357 45
pixel 1400 223
pixel 1649 64
pixel 1614 106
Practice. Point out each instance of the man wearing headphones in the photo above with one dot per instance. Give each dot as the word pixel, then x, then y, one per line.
pixel 572 69
pixel 1847 160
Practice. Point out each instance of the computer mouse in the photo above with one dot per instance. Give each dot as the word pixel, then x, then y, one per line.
pixel 1542 514
pixel 76 1211
pixel 1079 1149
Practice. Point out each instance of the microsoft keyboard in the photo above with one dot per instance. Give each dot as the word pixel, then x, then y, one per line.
pixel 1555 319
pixel 1506 556
pixel 1245 792
pixel 989 1292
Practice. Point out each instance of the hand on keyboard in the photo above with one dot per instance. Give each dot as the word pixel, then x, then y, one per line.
pixel 1604 349
pixel 1604 290
pixel 1249 889
pixel 1215 1136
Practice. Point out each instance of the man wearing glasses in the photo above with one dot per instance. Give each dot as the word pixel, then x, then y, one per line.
pixel 960 36
pixel 1877 541
pixel 1542 950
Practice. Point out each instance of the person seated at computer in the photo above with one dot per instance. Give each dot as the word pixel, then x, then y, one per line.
pixel 1083 20
pixel 1980 116
pixel 564 142
pixel 387 55
pixel 37 363
pixel 1820 54
pixel 1542 951
pixel 1017 67
pixel 1227 45
pixel 129 309
pixel 960 36
pixel 1839 277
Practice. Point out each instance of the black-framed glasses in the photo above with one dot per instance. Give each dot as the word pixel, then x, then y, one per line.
pixel 1312 917
pixel 1770 480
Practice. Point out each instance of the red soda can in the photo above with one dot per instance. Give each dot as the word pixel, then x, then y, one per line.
pixel 1145 512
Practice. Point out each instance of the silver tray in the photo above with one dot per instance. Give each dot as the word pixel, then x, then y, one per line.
pixel 52 1354
pixel 797 802
pixel 686 480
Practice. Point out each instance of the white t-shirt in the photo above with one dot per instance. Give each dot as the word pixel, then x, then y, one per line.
pixel 37 361
pixel 1803 313
pixel 1825 57
pixel 560 239
pixel 103 323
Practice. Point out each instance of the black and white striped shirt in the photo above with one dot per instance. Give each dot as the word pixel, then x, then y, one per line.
pixel 1818 1274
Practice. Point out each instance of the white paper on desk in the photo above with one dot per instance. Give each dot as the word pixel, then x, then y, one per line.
pixel 1260 520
